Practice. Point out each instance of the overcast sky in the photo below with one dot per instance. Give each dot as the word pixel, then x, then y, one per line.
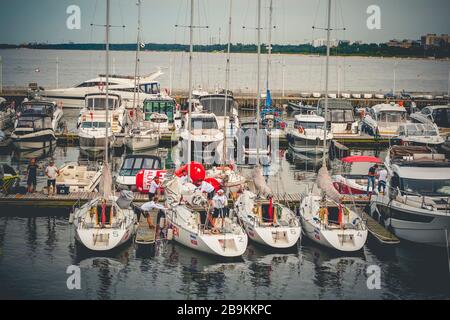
pixel 45 20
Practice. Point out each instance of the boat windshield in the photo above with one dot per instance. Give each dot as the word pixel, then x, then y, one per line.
pixel 426 187
pixel 131 166
pixel 150 88
pixel 36 123
pixel 159 106
pixel 216 105
pixel 341 116
pixel 418 130
pixel 204 123
pixel 94 124
pixel 100 103
pixel 308 125
pixel 392 116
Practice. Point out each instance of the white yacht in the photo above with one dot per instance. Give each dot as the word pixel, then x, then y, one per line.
pixel 383 120
pixel 266 222
pixel 215 103
pixel 36 124
pixel 438 115
pixel 420 134
pixel 308 133
pixel 92 121
pixel 130 167
pixel 341 117
pixel 205 137
pixel 416 205
pixel 247 143
pixel 124 85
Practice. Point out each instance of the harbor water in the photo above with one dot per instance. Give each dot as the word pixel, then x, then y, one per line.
pixel 38 246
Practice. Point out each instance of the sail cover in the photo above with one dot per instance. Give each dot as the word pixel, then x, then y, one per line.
pixel 325 183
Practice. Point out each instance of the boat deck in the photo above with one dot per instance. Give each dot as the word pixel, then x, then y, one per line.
pixel 380 233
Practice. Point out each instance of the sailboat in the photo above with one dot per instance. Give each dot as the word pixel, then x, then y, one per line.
pixel 106 222
pixel 142 135
pixel 266 222
pixel 324 219
pixel 188 209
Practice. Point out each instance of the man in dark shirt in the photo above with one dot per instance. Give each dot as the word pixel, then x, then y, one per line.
pixel 31 175
pixel 371 177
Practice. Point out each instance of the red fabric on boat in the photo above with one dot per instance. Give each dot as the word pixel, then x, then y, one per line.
pixel 197 171
pixel 103 213
pixel 213 182
pixel 352 159
pixel 271 209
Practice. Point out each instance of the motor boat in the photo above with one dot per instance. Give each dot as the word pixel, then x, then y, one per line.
pixel 300 107
pixel 383 120
pixel 368 95
pixel 308 134
pixel 266 222
pixel 92 121
pixel 163 114
pixel 416 204
pixel 328 222
pixel 124 86
pixel 346 95
pixel 353 179
pixel 215 103
pixel 190 226
pixel 341 118
pixel 420 134
pixel 205 138
pixel 130 167
pixel 247 147
pixel 36 124
pixel 142 136
pixel 379 96
pixel 439 115
pixel 356 95
pixel 7 114
pixel 79 177
pixel 228 177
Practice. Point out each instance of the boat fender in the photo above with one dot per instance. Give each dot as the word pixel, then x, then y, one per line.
pixel 170 234
pixel 323 214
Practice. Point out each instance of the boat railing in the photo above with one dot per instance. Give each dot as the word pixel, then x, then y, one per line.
pixel 418 200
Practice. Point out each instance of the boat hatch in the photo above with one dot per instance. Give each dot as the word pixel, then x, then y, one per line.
pixel 346 239
pixel 333 215
pixel 280 236
pixel 101 239
pixel 228 244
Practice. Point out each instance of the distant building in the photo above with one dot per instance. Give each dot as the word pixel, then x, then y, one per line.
pixel 433 40
pixel 403 43
pixel 323 42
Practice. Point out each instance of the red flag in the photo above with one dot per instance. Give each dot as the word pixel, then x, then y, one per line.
pixel 103 213
pixel 270 209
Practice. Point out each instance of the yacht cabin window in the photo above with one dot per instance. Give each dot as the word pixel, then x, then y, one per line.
pixel 308 125
pixel 131 166
pixel 341 116
pixel 159 106
pixel 426 187
pixel 150 88
pixel 391 116
pixel 94 84
pixel 204 123
pixel 94 124
pixel 36 123
pixel 100 103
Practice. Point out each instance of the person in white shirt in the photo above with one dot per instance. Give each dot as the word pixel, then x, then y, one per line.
pixel 220 204
pixel 149 206
pixel 154 187
pixel 207 188
pixel 382 176
pixel 51 172
pixel 185 178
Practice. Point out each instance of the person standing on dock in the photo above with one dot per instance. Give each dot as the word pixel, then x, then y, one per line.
pixel 371 177
pixel 382 175
pixel 154 187
pixel 149 206
pixel 51 172
pixel 31 176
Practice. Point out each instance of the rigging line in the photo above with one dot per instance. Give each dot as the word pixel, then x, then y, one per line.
pixel 205 12
pixel 199 54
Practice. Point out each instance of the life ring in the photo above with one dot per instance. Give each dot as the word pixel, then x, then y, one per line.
pixel 301 130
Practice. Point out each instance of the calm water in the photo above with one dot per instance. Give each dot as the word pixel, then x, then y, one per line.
pixel 37 246
pixel 301 73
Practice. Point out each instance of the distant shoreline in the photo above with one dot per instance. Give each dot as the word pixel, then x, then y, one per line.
pixel 363 50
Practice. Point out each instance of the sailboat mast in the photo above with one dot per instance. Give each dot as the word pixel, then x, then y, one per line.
pixel 269 49
pixel 107 83
pixel 227 83
pixel 327 65
pixel 191 38
pixel 136 64
pixel 258 77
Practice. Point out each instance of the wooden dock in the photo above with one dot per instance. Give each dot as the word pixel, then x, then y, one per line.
pixel 380 233
pixel 146 235
pixel 365 141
